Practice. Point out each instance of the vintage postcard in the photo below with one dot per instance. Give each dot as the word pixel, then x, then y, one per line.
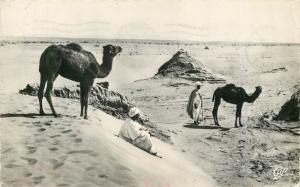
pixel 140 93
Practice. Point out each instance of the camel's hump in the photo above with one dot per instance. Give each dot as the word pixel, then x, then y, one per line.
pixel 230 86
pixel 74 46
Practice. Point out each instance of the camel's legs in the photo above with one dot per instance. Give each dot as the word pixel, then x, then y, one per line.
pixel 41 93
pixel 48 92
pixel 215 110
pixel 86 86
pixel 81 99
pixel 86 100
pixel 217 119
pixel 53 64
pixel 238 114
pixel 236 117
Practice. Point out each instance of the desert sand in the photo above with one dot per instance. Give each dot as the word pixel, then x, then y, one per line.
pixel 70 151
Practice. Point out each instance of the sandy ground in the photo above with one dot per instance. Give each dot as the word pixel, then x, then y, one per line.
pixel 233 156
pixel 70 151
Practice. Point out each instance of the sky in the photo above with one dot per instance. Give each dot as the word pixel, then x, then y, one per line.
pixel 196 20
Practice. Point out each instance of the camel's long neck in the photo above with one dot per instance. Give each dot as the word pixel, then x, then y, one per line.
pixel 253 97
pixel 105 68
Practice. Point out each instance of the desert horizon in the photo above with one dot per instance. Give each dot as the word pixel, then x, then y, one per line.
pixel 133 40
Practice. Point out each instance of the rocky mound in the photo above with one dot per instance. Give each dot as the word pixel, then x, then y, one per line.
pixel 280 69
pixel 182 65
pixel 110 102
pixel 290 111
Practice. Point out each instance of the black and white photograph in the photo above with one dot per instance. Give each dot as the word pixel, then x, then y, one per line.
pixel 149 93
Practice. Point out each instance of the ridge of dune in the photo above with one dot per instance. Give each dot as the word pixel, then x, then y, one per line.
pixel 71 151
pixel 108 101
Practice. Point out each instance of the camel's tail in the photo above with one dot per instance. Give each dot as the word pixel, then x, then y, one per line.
pixel 42 59
pixel 215 92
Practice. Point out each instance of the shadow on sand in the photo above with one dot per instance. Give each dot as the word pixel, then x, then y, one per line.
pixel 29 115
pixel 192 126
pixel 33 115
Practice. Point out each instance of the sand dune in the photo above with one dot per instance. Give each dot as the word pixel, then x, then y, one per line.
pixel 70 151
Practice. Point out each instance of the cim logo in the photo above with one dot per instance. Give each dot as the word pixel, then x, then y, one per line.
pixel 279 172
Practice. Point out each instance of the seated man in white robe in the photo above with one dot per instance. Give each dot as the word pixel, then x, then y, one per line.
pixel 132 132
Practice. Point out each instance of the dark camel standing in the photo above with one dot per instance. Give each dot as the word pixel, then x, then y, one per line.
pixel 74 63
pixel 234 95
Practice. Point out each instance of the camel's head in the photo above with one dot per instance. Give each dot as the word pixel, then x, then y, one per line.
pixel 258 89
pixel 111 50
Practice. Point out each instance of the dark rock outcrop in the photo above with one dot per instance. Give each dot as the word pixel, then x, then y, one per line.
pixel 103 84
pixel 280 69
pixel 267 121
pixel 182 65
pixel 110 102
pixel 290 111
